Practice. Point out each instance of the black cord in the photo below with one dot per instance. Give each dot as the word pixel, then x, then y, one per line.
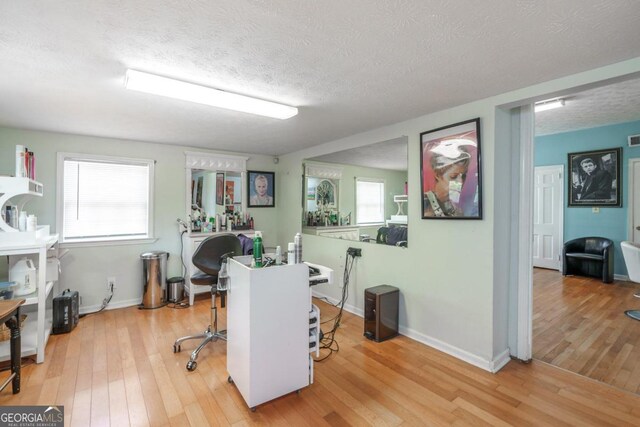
pixel 328 340
pixel 178 305
pixel 184 267
pixel 105 303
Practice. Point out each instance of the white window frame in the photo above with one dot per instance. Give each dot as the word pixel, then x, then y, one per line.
pixel 102 241
pixel 384 186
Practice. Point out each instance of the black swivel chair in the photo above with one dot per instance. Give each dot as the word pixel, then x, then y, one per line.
pixel 209 258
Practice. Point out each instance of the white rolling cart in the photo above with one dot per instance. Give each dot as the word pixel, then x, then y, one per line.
pixel 268 330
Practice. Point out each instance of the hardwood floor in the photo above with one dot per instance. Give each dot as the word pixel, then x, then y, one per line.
pixel 579 325
pixel 117 368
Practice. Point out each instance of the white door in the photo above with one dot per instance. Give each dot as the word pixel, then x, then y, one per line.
pixel 548 216
pixel 634 200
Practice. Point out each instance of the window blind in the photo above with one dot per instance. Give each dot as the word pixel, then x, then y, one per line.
pixel 369 201
pixel 105 200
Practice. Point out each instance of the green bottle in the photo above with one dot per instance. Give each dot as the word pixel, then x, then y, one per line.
pixel 257 249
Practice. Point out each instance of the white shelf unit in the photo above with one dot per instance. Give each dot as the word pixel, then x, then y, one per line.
pixel 268 330
pixel 190 242
pixel 37 326
pixel 35 244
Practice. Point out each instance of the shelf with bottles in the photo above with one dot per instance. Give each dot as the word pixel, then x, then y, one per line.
pixel 19 191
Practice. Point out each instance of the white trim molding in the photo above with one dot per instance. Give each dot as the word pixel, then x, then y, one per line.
pixel 215 162
pixel 321 171
pixel 493 365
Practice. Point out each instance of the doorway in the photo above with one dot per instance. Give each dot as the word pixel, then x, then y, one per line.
pixel 578 323
pixel 633 233
pixel 548 215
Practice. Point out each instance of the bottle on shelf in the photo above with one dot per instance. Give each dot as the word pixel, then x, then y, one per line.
pixel 297 240
pixel 22 221
pixel 257 248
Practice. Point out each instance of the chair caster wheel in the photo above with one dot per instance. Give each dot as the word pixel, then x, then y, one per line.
pixel 176 348
pixel 298 392
pixel 192 365
pixel 253 409
pixel 230 380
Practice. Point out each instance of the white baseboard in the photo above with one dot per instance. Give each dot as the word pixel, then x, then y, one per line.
pixel 492 366
pixel 621 277
pixel 112 305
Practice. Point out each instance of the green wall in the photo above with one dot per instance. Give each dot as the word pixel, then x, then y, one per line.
pixel 86 269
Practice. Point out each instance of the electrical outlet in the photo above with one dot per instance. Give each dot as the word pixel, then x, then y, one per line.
pixel 354 252
pixel 111 281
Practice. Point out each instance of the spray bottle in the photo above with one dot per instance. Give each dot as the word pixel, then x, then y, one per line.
pixel 257 248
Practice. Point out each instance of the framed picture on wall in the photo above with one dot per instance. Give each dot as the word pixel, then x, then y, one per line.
pixel 262 189
pixel 594 178
pixel 219 188
pixel 450 172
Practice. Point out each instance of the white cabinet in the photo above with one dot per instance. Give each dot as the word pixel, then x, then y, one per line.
pixel 190 242
pixel 35 245
pixel 268 330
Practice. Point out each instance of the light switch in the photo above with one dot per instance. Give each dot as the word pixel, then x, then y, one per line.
pixel 595 210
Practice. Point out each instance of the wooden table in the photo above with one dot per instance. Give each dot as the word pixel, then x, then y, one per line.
pixel 10 316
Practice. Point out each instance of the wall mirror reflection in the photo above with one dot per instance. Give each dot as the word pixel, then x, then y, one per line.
pixel 214 193
pixel 359 194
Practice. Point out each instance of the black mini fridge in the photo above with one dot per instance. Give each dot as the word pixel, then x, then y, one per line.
pixel 381 312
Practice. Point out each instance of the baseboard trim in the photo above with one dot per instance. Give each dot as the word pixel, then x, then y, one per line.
pixel 112 305
pixel 621 277
pixel 492 366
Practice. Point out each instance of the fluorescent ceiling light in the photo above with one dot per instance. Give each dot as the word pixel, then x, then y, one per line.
pixel 548 105
pixel 149 83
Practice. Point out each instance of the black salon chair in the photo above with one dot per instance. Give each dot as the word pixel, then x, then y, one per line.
pixel 394 236
pixel 589 256
pixel 209 257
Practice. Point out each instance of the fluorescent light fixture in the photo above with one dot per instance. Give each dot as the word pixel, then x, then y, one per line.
pixel 548 105
pixel 150 83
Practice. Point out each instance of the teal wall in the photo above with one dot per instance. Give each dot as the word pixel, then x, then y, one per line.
pixel 581 221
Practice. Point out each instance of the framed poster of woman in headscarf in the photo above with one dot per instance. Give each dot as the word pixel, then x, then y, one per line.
pixel 450 172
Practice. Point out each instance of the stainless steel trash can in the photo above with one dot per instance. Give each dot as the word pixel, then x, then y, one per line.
pixel 175 289
pixel 154 276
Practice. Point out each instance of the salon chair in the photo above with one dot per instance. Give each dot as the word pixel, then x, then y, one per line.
pixel 208 258
pixel 588 256
pixel 393 236
pixel 631 255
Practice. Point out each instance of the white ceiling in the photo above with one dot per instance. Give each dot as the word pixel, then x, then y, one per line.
pixel 349 65
pixel 392 154
pixel 617 103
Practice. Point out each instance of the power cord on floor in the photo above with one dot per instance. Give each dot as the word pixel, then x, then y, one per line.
pixel 105 303
pixel 328 339
pixel 178 305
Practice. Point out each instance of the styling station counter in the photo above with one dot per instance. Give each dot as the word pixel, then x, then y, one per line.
pixel 346 232
pixel 190 242
pixel 272 327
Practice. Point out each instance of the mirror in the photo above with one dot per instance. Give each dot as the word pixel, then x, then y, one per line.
pixel 359 194
pixel 215 187
pixel 216 192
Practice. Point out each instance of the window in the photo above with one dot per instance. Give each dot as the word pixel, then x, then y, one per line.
pixel 369 201
pixel 104 198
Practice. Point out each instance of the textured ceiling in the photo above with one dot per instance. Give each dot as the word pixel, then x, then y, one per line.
pixel 390 154
pixel 617 103
pixel 349 65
